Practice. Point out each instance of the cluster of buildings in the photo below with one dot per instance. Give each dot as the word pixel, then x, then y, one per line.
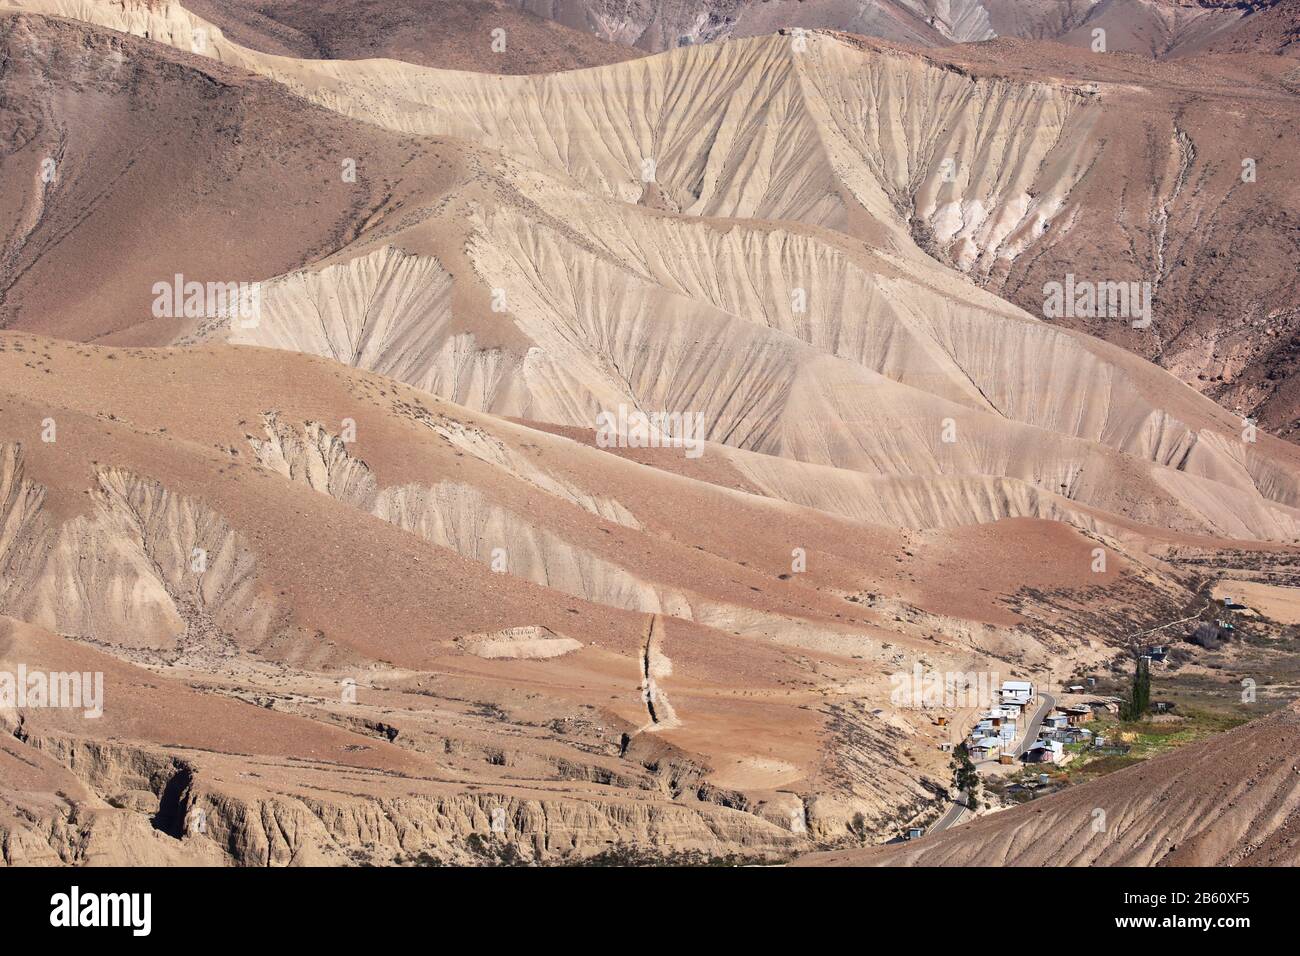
pixel 1062 726
pixel 995 734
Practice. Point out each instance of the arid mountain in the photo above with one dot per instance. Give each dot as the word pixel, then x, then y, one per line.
pixel 1231 801
pixel 486 36
pixel 1182 176
pixel 1174 197
pixel 658 25
pixel 1275 28
pixel 115 161
pixel 549 35
pixel 1149 27
pixel 533 285
pixel 377 540
pixel 605 649
pixel 1154 28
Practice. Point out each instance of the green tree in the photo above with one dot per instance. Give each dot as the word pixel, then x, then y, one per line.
pixel 1139 696
pixel 964 775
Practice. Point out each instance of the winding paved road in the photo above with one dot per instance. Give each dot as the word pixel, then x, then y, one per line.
pixel 1031 729
pixel 952 816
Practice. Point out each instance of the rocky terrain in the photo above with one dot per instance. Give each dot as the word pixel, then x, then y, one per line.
pixel 1160 28
pixel 365 576
pixel 451 34
pixel 1179 176
pixel 547 35
pixel 183 535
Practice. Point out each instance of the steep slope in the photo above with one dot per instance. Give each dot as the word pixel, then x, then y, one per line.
pixel 658 25
pixel 387 506
pixel 1148 27
pixel 515 291
pixel 125 167
pixel 1155 28
pixel 1011 181
pixel 487 36
pixel 896 397
pixel 1273 29
pixel 188 517
pixel 1236 800
pixel 1009 162
pixel 1179 204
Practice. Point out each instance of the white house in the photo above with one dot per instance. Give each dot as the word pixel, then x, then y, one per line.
pixel 1017 692
pixel 996 718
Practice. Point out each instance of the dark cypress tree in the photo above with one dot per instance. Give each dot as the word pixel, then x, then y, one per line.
pixel 1142 688
pixel 1139 699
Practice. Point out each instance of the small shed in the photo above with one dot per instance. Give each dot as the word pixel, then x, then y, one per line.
pixel 1157 654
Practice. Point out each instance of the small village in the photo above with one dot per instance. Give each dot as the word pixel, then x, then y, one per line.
pixel 1023 729
pixel 996 737
pixel 1017 746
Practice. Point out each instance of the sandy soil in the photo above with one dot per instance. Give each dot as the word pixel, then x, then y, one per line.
pixel 362 579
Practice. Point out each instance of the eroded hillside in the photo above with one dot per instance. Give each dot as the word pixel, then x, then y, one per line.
pixel 1016 166
pixel 366 574
pixel 519 613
